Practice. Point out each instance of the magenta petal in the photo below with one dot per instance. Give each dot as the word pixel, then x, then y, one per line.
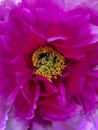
pixel 4 53
pixel 4 12
pixel 95 118
pixel 93 73
pixel 13 123
pixel 7 79
pixel 50 108
pixel 75 123
pixel 46 87
pixel 76 86
pixel 3 113
pixel 24 38
pixel 92 56
pixel 39 126
pixel 62 93
pixel 12 96
pixel 27 97
pixel 89 102
pixel 75 81
pixel 26 27
pixel 18 106
pixel 56 114
pixel 2 28
pixel 31 92
pixel 76 53
pixel 42 26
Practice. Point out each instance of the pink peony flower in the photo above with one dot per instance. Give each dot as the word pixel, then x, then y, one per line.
pixel 48 64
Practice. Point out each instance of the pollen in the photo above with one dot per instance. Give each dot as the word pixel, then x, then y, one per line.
pixel 48 63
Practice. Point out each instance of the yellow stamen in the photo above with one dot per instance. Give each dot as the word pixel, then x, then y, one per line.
pixel 48 62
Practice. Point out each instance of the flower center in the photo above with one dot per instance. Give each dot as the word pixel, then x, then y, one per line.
pixel 48 62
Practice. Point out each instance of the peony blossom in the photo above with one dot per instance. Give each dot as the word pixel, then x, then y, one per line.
pixel 48 65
